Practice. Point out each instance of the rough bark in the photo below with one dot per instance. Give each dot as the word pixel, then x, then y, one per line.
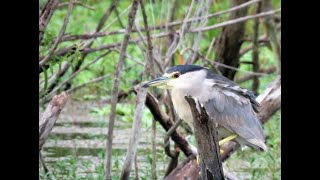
pixel 270 101
pixel 206 136
pixel 50 116
pixel 230 40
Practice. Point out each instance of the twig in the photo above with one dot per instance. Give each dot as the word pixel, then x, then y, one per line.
pixel 247 77
pixel 168 25
pixel 76 3
pixel 61 33
pixel 192 58
pixel 77 72
pixel 118 17
pixel 227 66
pixel 164 34
pixel 250 47
pixel 115 90
pixel 106 15
pixel 149 42
pixel 237 20
pixel 46 169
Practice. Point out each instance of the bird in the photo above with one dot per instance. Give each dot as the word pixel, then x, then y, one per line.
pixel 232 108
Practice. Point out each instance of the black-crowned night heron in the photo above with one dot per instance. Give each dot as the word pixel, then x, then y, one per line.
pixel 228 105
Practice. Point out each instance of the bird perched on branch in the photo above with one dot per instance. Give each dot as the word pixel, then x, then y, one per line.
pixel 231 107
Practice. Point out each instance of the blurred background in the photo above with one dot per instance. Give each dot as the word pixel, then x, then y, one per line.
pixel 82 43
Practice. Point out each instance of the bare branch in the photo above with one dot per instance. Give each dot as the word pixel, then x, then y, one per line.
pixel 135 133
pixel 167 25
pixel 247 77
pixel 237 20
pixel 61 33
pixel 45 16
pixel 149 43
pixel 50 116
pixel 115 90
pixel 60 5
pixel 106 15
pixel 78 71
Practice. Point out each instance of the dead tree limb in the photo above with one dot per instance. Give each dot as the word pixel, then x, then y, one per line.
pixel 115 90
pixel 135 133
pixel 50 116
pixel 206 136
pixel 270 101
pixel 45 16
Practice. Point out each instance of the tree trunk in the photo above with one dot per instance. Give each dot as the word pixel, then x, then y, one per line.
pixel 230 40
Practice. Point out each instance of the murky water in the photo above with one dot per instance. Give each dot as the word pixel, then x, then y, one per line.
pixel 81 135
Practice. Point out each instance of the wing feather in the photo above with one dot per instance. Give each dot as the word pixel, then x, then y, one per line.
pixel 232 109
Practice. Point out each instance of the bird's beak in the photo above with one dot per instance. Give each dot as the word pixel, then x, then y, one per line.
pixel 158 82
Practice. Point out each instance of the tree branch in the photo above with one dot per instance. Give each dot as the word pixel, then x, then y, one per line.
pixel 61 33
pixel 115 90
pixel 45 16
pixel 50 116
pixel 206 136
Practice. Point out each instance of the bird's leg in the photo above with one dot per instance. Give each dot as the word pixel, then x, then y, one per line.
pixel 226 140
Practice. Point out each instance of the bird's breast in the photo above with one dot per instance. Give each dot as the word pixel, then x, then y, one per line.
pixel 181 106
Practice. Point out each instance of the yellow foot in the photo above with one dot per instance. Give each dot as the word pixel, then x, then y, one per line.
pixel 198 160
pixel 221 151
pixel 227 139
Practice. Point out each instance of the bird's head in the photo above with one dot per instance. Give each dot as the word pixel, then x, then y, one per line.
pixel 179 77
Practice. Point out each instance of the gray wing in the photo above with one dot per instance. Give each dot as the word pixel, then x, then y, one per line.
pixel 234 108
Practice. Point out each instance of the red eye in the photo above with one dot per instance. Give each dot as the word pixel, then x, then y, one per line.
pixel 176 75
